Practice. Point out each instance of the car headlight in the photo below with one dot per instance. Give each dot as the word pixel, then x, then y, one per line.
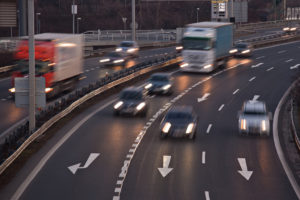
pixel 263 125
pixel 293 29
pixel 243 124
pixel 119 61
pixel 12 90
pixel 286 29
pixel 166 87
pixel 141 106
pixel 148 86
pixel 131 50
pixel 189 129
pixel 104 60
pixel 246 51
pixel 184 65
pixel 118 105
pixel 179 47
pixel 166 127
pixel 233 51
pixel 207 66
pixel 118 49
pixel 47 90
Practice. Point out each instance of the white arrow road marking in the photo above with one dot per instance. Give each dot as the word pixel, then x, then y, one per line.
pixel 89 161
pixel 295 66
pixel 165 170
pixel 244 172
pixel 255 97
pixel 204 97
pixel 257 65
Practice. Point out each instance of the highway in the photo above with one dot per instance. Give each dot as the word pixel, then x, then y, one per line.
pixel 11 115
pixel 120 157
pixel 93 71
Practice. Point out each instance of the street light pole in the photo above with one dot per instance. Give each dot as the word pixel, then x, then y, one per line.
pixel 31 65
pixel 37 22
pixel 78 19
pixel 133 19
pixel 197 14
pixel 73 13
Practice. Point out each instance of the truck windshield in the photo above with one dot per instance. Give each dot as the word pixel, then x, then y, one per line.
pixel 41 67
pixel 197 43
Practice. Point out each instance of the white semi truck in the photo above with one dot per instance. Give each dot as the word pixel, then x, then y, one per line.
pixel 206 46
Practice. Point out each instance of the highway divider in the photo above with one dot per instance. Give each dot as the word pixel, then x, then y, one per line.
pixel 21 138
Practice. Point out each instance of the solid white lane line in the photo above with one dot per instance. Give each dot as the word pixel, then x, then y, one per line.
pixel 208 128
pixel 260 57
pixel 277 144
pixel 221 107
pixel 129 156
pixel 207 195
pixel 252 79
pixel 203 157
pixel 236 91
pixel 134 145
pixel 270 69
pixel 281 51
pixel 290 60
pixel 131 150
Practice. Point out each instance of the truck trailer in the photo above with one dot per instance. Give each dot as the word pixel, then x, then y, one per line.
pixel 206 46
pixel 58 58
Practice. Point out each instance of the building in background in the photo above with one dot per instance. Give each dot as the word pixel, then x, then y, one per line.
pixel 229 10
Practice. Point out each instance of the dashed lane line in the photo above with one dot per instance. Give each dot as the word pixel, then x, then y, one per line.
pixel 203 157
pixel 236 91
pixel 251 79
pixel 260 57
pixel 290 60
pixel 283 51
pixel 207 195
pixel 221 107
pixel 208 128
pixel 270 69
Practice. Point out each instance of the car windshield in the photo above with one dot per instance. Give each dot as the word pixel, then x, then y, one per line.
pixel 159 78
pixel 40 66
pixel 177 115
pixel 131 95
pixel 241 45
pixel 113 54
pixel 126 44
pixel 193 43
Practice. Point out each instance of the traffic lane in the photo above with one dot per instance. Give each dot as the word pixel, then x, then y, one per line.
pixel 142 185
pixel 108 135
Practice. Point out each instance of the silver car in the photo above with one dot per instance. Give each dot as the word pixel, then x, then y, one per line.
pixel 254 118
pixel 130 48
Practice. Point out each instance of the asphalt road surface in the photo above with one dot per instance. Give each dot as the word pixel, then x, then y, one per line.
pixel 119 157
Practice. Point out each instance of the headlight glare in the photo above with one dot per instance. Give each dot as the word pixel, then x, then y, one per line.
pixel 166 127
pixel 118 105
pixel 189 129
pixel 141 106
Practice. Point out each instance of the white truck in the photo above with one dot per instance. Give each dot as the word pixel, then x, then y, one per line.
pixel 58 58
pixel 206 46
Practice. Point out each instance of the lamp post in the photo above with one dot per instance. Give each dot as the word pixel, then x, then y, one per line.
pixel 78 19
pixel 37 23
pixel 133 19
pixel 124 19
pixel 198 14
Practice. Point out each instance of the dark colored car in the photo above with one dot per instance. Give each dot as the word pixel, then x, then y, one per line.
pixel 132 101
pixel 160 83
pixel 114 59
pixel 242 50
pixel 130 48
pixel 180 121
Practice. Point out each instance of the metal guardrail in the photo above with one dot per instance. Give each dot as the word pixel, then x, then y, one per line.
pixel 85 94
pixel 119 35
pixel 267 23
pixel 293 112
